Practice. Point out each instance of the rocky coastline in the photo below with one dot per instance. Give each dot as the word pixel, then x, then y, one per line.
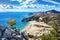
pixel 9 34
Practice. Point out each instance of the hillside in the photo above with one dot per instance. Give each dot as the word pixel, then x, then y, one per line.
pixel 41 23
pixel 47 17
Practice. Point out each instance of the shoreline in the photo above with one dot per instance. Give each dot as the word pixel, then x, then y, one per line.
pixel 26 27
pixel 31 28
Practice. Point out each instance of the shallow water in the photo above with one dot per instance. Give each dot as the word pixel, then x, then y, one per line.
pixel 18 16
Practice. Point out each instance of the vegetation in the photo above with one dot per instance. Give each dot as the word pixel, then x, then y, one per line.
pixel 48 37
pixel 55 23
pixel 56 31
pixel 30 36
pixel 54 35
pixel 12 23
pixel 46 19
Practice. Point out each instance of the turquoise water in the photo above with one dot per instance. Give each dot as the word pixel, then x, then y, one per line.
pixel 18 16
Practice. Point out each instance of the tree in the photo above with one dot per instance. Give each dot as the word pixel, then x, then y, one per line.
pixel 48 37
pixel 12 23
pixel 55 32
pixel 54 35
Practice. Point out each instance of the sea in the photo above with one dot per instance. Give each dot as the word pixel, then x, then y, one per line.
pixel 18 16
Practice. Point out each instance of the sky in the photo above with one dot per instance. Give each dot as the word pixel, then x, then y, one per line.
pixel 29 5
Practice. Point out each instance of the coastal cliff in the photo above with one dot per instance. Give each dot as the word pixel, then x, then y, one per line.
pixel 43 16
pixel 41 23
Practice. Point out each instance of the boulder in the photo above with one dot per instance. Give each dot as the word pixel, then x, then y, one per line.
pixel 13 39
pixel 24 36
pixel 0 33
pixel 2 28
pixel 8 33
pixel 0 38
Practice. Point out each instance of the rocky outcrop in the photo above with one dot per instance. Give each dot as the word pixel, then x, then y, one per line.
pixel 8 34
pixel 30 18
pixel 50 13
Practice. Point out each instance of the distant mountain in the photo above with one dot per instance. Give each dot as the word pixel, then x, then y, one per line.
pixel 53 11
pixel 49 12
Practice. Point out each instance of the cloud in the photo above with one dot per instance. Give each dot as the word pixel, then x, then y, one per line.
pixel 33 6
pixel 41 6
pixel 28 2
pixel 19 10
pixel 5 6
pixel 13 0
pixel 22 2
pixel 27 8
pixel 17 0
pixel 51 1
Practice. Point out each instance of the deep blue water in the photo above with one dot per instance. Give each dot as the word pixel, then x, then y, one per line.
pixel 18 16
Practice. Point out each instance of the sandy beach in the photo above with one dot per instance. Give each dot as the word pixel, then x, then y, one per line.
pixel 34 29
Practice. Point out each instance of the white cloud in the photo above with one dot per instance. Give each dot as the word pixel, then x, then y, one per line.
pixel 20 7
pixel 1 6
pixel 20 1
pixel 39 6
pixel 17 0
pixel 13 0
pixel 4 6
pixel 27 8
pixel 28 2
pixel 34 6
pixel 25 2
pixel 51 1
pixel 19 10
